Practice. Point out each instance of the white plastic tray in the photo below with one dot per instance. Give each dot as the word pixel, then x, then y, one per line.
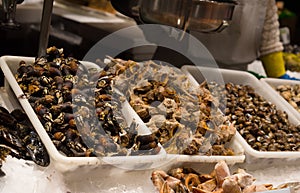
pixel 239 156
pixel 272 83
pixel 64 164
pixel 244 78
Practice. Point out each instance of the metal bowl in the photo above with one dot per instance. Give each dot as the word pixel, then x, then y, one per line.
pixel 167 12
pixel 210 16
pixel 197 15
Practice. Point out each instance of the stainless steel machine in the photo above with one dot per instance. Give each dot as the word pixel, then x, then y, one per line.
pixel 197 15
pixel 200 15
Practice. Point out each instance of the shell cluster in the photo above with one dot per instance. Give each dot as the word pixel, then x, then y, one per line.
pixel 183 117
pixel 79 109
pixel 262 125
pixel 291 93
pixel 19 139
pixel 220 180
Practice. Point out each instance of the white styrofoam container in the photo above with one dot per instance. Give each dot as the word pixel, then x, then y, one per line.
pixel 64 164
pixel 272 83
pixel 244 78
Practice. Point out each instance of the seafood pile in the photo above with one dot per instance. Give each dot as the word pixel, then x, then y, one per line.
pixel 19 139
pixel 291 93
pixel 220 180
pixel 261 124
pixel 184 118
pixel 79 108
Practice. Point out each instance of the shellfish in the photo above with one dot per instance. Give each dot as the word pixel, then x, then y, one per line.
pixel 182 179
pixel 19 139
pixel 185 120
pixel 78 107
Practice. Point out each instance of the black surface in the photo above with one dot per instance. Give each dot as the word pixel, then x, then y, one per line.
pixel 124 6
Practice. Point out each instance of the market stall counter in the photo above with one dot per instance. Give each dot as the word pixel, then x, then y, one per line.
pixel 75 172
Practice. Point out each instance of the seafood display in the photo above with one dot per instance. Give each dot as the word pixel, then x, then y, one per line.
pixel 291 93
pixel 83 107
pixel 262 125
pixel 184 118
pixel 220 180
pixel 19 139
pixel 79 108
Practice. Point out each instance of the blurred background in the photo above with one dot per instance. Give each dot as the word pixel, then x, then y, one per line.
pixel 77 25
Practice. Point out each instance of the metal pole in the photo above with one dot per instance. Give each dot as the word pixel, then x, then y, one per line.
pixel 45 27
